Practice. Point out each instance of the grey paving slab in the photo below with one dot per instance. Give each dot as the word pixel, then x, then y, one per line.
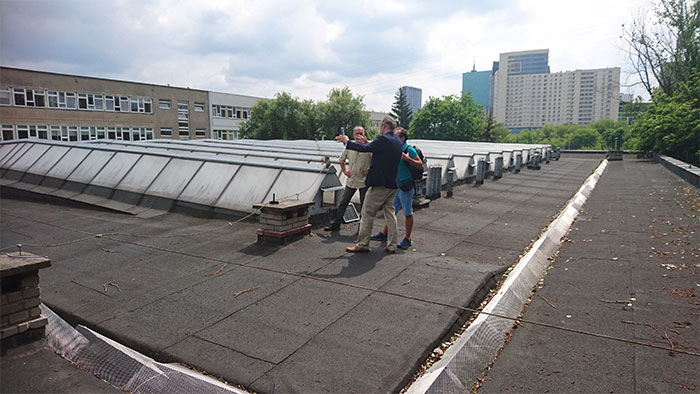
pixel 281 327
pixel 380 355
pixel 193 309
pixel 624 273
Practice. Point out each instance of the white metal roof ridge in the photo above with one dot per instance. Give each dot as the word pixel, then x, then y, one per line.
pixel 101 145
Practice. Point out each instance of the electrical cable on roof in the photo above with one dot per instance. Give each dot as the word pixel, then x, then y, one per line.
pixel 516 320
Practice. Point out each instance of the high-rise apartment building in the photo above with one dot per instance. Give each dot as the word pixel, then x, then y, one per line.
pixel 413 98
pixel 527 96
pixel 523 93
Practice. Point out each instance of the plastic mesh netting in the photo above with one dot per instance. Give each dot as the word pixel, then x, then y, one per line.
pixel 121 366
pixel 474 350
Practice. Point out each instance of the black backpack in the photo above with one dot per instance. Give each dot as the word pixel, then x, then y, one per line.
pixel 416 173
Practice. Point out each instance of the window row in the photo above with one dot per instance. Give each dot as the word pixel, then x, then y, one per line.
pixel 167 104
pixel 76 133
pixel 229 112
pixel 225 134
pixel 183 132
pixel 28 97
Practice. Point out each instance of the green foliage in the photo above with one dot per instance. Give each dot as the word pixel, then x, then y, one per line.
pixel 284 117
pixel 342 111
pixel 671 126
pixel 401 111
pixel 453 118
pixel 492 131
pixel 371 133
pixel 666 56
pixel 612 131
pixel 569 136
pixel 287 117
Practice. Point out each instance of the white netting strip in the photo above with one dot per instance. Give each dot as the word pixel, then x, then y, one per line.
pixel 473 351
pixel 122 367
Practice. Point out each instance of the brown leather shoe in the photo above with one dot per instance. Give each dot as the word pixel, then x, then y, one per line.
pixel 389 251
pixel 356 249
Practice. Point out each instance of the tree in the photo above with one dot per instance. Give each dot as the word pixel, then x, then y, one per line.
pixel 449 118
pixel 284 117
pixel 667 51
pixel 612 131
pixel 666 56
pixel 342 111
pixel 492 131
pixel 401 111
pixel 671 126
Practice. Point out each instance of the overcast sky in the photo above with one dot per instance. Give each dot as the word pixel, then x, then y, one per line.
pixel 261 47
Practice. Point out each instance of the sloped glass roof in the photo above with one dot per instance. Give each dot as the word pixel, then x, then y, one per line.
pixel 137 172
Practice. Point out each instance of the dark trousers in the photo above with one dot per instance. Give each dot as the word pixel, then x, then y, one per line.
pixel 345 200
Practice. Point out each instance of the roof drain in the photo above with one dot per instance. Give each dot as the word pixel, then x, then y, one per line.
pixel 466 359
pixel 123 367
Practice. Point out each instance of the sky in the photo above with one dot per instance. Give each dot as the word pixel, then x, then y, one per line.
pixel 307 47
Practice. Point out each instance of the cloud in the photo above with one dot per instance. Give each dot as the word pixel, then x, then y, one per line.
pixel 305 47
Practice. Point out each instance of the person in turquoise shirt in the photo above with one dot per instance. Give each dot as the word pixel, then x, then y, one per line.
pixel 404 196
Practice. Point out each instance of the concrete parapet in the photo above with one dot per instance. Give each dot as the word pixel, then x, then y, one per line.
pixel 688 172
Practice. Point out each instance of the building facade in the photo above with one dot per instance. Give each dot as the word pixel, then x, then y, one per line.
pixel 527 96
pixel 37 104
pixel 477 84
pixel 228 112
pixel 413 98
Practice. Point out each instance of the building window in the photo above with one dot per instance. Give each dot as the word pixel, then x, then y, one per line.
pixel 99 102
pixel 200 132
pixel 183 119
pixel 226 134
pixel 164 104
pixel 5 96
pixel 22 132
pixel 166 132
pixel 39 98
pixel 8 132
pixel 123 104
pixel 109 103
pixel 70 102
pixel 19 97
pixel 198 107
